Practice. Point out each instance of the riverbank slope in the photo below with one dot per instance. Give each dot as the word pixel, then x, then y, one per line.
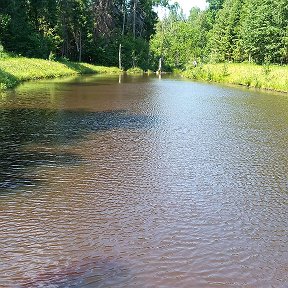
pixel 16 70
pixel 269 77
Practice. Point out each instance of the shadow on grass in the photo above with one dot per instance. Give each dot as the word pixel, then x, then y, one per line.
pixel 22 128
pixel 7 80
pixel 78 67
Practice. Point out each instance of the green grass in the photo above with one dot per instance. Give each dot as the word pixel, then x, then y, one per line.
pixel 135 70
pixel 16 70
pixel 270 77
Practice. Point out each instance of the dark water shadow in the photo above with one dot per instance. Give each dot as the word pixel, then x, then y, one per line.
pixel 20 128
pixel 88 273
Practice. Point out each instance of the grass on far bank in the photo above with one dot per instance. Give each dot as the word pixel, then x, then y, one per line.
pixel 135 70
pixel 16 70
pixel 269 77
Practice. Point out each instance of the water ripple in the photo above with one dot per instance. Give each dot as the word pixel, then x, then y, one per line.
pixel 173 184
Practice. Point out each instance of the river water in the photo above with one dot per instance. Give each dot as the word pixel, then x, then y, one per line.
pixel 142 182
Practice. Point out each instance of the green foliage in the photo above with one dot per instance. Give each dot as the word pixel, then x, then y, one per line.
pixel 263 30
pixel 5 55
pixel 215 5
pixel 229 30
pixel 79 30
pixel 7 80
pixel 179 41
pixel 250 31
pixel 223 40
pixel 92 31
pixel 52 56
pixel 135 70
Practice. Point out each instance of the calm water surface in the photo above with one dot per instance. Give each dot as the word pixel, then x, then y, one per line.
pixel 142 182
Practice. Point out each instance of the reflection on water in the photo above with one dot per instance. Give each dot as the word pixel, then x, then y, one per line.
pixel 52 128
pixel 142 182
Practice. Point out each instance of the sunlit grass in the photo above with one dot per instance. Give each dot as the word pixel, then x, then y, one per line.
pixel 271 77
pixel 135 70
pixel 16 70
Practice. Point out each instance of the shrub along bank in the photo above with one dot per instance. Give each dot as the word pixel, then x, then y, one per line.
pixel 16 70
pixel 270 77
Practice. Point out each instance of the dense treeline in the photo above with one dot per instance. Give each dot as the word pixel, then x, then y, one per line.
pixel 229 30
pixel 99 31
pixel 82 30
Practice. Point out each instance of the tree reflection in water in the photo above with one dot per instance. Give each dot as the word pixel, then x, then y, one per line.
pixel 24 127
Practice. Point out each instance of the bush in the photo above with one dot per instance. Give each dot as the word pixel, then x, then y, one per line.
pixel 135 70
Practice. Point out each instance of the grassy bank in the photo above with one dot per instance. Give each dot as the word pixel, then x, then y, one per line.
pixel 16 70
pixel 135 70
pixel 269 77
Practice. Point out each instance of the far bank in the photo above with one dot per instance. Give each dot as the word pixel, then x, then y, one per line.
pixel 268 77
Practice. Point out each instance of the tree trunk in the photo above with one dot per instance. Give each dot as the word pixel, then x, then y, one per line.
pixel 80 46
pixel 160 65
pixel 120 61
pixel 134 19
pixel 124 18
pixel 133 59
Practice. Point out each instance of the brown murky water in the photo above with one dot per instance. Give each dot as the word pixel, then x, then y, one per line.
pixel 142 183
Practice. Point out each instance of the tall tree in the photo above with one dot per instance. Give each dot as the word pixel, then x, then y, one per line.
pixel 223 38
pixel 263 29
pixel 177 41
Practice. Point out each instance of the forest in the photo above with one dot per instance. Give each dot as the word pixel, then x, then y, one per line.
pixel 102 31
pixel 79 30
pixel 228 31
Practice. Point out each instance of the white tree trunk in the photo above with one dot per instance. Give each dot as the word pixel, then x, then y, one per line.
pixel 119 56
